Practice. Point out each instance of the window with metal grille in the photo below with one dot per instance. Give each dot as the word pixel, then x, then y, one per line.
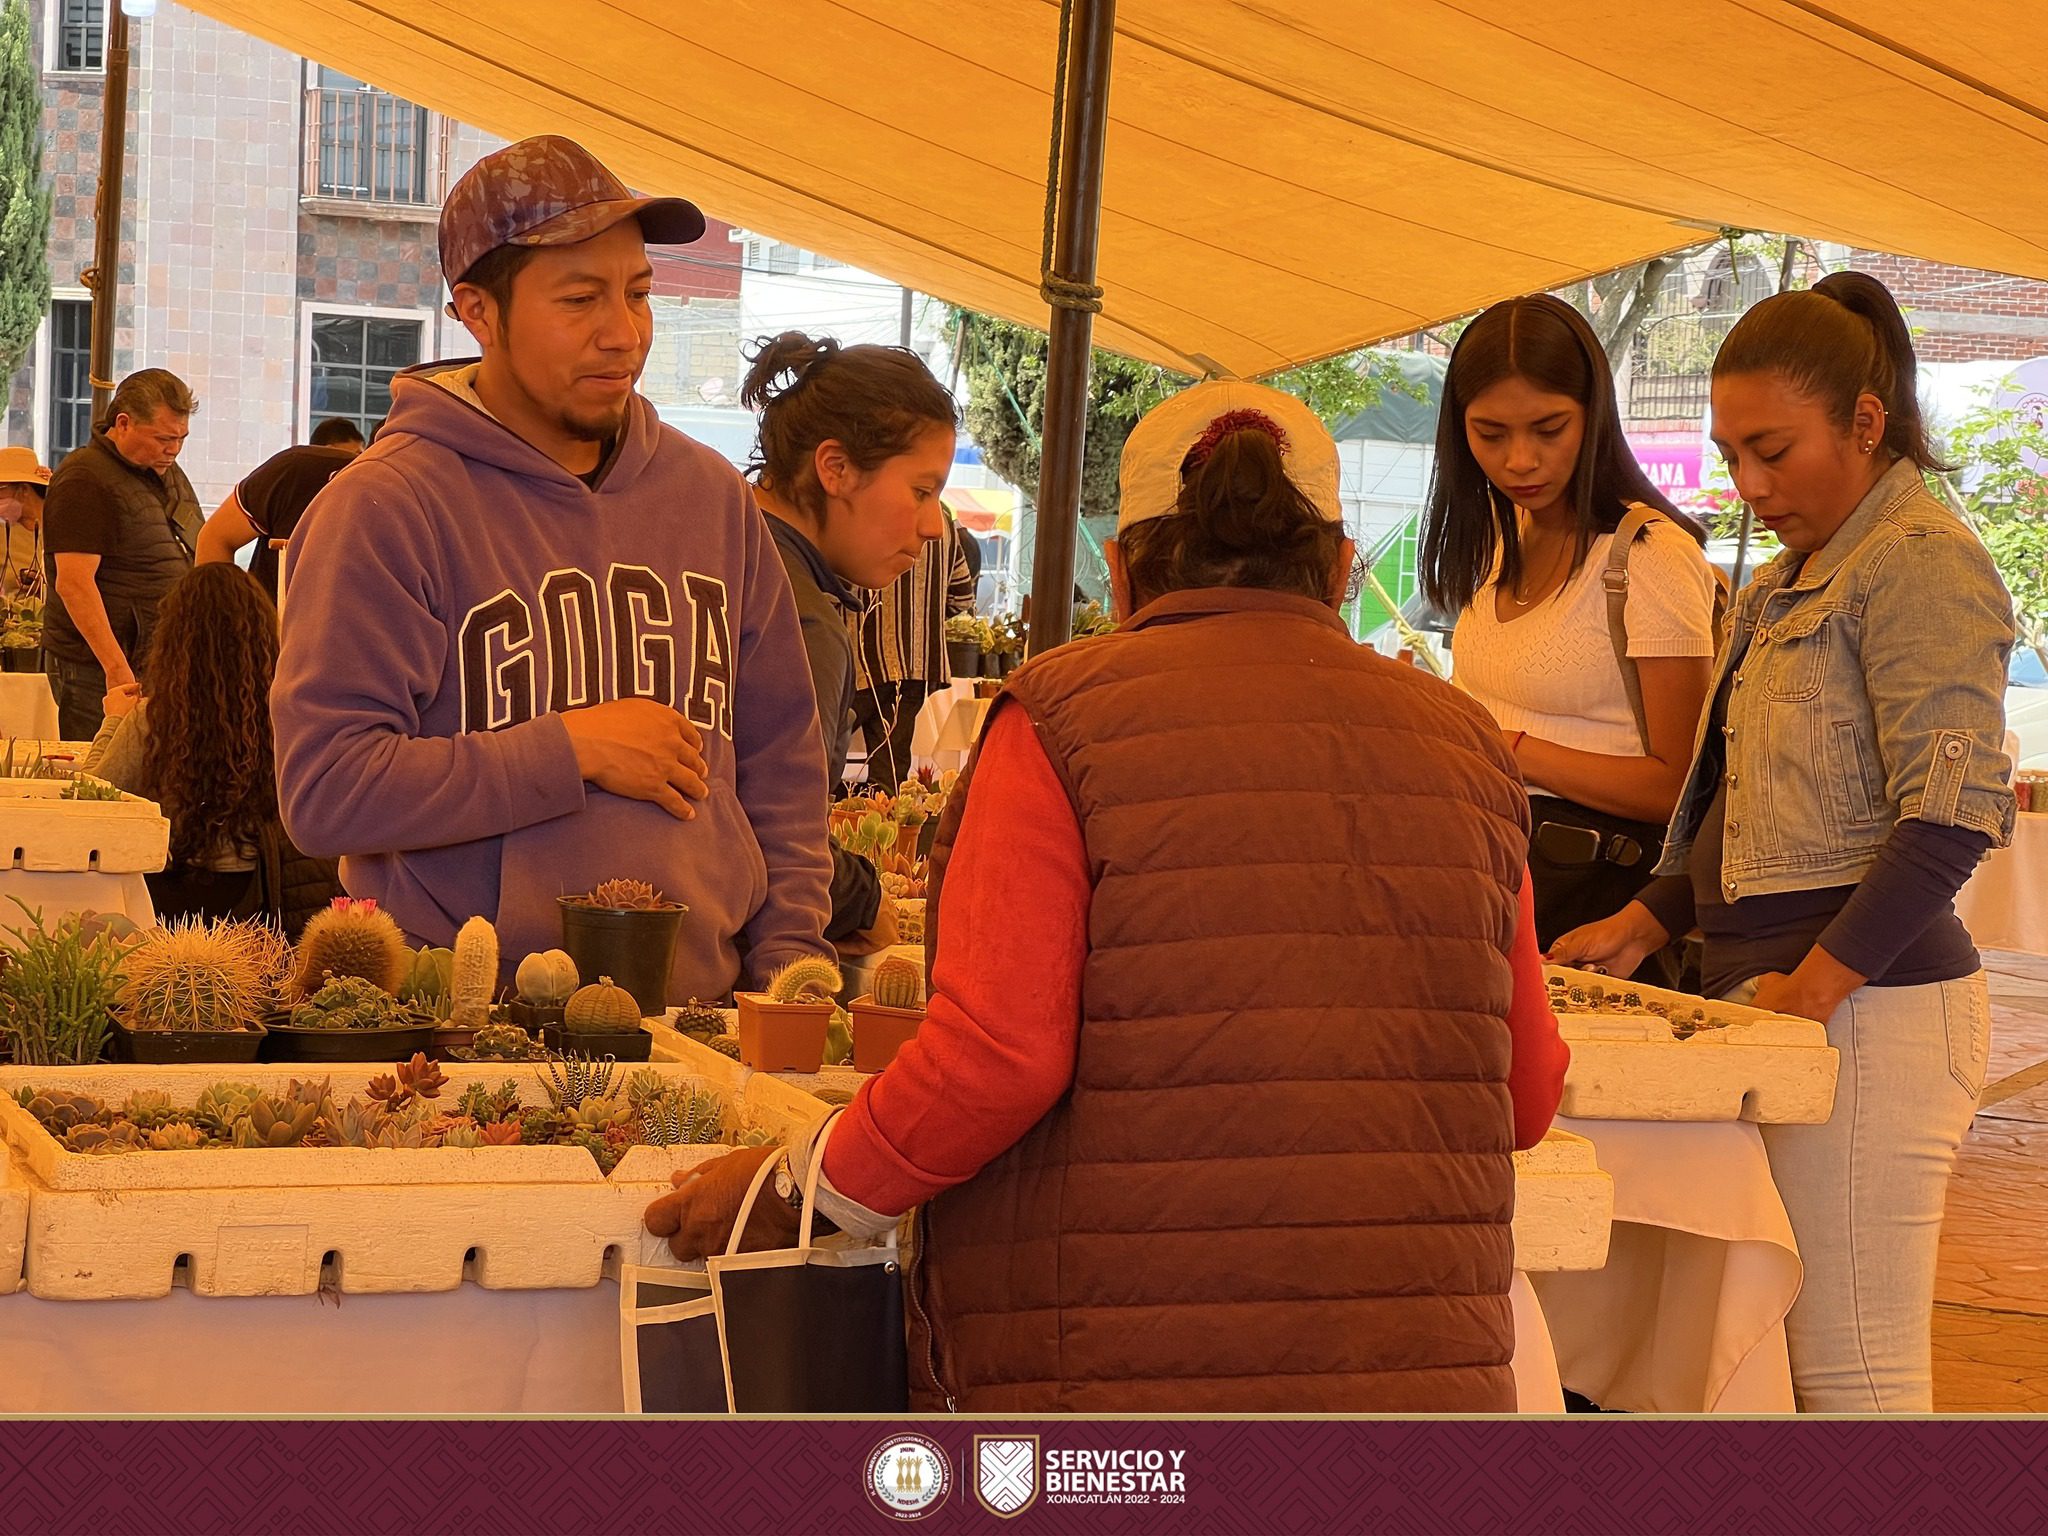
pixel 70 395
pixel 81 28
pixel 363 144
pixel 354 359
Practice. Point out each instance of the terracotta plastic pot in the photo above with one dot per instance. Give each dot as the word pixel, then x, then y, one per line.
pixel 782 1037
pixel 637 949
pixel 879 1033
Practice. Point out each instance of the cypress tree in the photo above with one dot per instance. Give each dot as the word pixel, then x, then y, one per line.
pixel 24 199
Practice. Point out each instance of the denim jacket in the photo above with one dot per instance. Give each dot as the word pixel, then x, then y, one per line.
pixel 1867 688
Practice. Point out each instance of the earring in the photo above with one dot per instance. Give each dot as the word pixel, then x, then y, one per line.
pixel 1870 447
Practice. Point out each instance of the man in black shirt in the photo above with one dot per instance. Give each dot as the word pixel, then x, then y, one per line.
pixel 118 528
pixel 268 504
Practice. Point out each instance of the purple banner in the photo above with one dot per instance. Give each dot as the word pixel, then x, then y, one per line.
pixel 1591 1476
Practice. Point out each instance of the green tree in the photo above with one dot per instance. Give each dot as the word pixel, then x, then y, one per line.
pixel 1005 368
pixel 24 199
pixel 2003 478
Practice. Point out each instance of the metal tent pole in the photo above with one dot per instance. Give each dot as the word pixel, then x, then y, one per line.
pixel 103 277
pixel 1088 32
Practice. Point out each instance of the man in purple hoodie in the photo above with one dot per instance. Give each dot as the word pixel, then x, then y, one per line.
pixel 538 640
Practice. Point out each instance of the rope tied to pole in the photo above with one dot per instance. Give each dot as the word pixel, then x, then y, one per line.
pixel 1058 291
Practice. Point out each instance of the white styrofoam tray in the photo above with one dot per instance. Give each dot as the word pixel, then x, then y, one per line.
pixel 1765 1067
pixel 42 832
pixel 290 1221
pixel 1564 1205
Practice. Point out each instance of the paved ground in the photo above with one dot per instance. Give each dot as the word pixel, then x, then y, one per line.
pixel 1991 1296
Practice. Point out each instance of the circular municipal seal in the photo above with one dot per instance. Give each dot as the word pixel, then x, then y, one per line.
pixel 907 1477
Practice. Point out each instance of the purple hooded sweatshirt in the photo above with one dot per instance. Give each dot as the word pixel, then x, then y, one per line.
pixel 454 592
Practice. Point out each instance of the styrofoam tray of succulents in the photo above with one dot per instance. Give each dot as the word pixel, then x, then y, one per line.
pixel 80 824
pixel 1564 1205
pixel 410 1179
pixel 1644 1053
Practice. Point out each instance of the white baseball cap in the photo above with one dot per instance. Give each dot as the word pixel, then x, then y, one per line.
pixel 1159 446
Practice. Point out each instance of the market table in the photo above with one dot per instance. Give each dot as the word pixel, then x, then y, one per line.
pixel 2005 903
pixel 1688 1315
pixel 54 893
pixel 28 710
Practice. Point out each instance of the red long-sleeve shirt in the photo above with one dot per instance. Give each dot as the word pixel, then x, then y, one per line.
pixel 999 1040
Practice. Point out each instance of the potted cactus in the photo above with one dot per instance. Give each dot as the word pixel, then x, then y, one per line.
pixel 472 984
pixel 429 981
pixel 600 1020
pixel 967 639
pixel 544 983
pixel 887 1018
pixel 350 938
pixel 58 987
pixel 624 929
pixel 350 1019
pixel 783 1029
pixel 197 991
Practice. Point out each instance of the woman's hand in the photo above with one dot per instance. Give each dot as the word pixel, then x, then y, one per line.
pixel 697 1218
pixel 1615 945
pixel 1819 986
pixel 121 699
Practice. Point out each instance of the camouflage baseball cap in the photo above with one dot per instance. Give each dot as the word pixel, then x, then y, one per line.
pixel 548 190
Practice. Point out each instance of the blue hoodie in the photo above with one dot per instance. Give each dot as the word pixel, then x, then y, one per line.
pixel 453 592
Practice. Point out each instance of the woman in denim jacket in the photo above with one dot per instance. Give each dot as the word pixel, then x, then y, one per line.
pixel 1848 776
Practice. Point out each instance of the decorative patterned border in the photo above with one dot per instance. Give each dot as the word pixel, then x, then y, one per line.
pixel 1929 1478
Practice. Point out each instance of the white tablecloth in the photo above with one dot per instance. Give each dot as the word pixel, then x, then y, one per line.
pixel 1688 1316
pixel 2005 903
pixel 28 709
pixel 462 1351
pixel 54 894
pixel 948 726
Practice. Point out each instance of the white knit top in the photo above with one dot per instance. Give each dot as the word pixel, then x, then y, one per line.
pixel 1552 672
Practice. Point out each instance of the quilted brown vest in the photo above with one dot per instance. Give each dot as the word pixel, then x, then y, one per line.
pixel 1281 1181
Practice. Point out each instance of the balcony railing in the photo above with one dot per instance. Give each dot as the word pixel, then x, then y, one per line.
pixel 368 146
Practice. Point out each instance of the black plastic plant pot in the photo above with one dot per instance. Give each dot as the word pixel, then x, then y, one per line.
pixel 19 658
pixel 166 1047
pixel 285 1043
pixel 963 658
pixel 624 1044
pixel 535 1017
pixel 636 948
pixel 927 837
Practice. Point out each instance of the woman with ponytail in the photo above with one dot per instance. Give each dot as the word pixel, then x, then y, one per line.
pixel 1848 778
pixel 1220 889
pixel 855 446
pixel 1539 516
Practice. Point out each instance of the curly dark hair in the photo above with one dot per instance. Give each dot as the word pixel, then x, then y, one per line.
pixel 208 748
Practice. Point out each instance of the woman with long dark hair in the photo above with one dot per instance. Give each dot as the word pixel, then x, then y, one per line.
pixel 200 746
pixel 1848 778
pixel 1592 659
pixel 854 449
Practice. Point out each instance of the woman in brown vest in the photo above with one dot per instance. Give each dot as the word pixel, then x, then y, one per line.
pixel 1237 1010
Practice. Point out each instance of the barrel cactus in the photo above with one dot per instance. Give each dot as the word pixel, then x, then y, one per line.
pixel 812 979
pixel 350 938
pixel 899 983
pixel 546 980
pixel 195 975
pixel 602 1008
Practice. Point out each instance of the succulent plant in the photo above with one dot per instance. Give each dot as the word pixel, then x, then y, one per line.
pixel 59 1109
pixel 898 983
pixel 547 979
pixel 838 1038
pixel 626 896
pixel 506 1133
pixel 757 1136
pixel 606 1154
pixel 195 975
pixel 464 1135
pixel 350 1002
pixel 177 1138
pixel 101 1140
pixel 700 1021
pixel 726 1045
pixel 811 979
pixel 220 1105
pixel 61 981
pixel 85 787
pixel 645 1084
pixel 271 1124
pixel 504 1042
pixel 354 1124
pixel 350 938
pixel 596 1114
pixel 682 1118
pixel 569 1080
pixel 486 1105
pixel 148 1108
pixel 412 1082
pixel 538 1127
pixel 475 980
pixel 602 1008
pixel 429 980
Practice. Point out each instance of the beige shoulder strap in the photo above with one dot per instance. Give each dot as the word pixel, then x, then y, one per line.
pixel 1615 580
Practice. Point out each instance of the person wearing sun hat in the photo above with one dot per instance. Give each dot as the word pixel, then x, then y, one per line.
pixel 536 639
pixel 23 484
pixel 1236 1010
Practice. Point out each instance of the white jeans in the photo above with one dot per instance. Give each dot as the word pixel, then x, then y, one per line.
pixel 1865 1192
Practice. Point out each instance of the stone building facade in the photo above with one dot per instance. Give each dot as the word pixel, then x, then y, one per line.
pixel 279 242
